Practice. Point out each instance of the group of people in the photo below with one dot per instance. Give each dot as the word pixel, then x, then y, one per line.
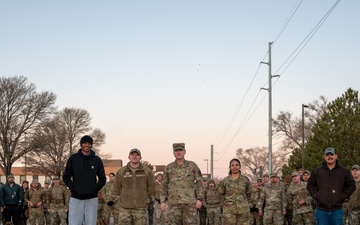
pixel 180 195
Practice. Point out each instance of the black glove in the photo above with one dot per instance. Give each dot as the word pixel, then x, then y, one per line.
pixel 254 209
pixel 110 203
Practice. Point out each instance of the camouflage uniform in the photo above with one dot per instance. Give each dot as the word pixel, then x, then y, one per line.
pixel 58 202
pixel 213 203
pixel 111 203
pixel 275 198
pixel 255 218
pixel 236 194
pixel 302 214
pixel 46 207
pixel 160 215
pixel 354 206
pixel 36 196
pixel 181 187
pixel 101 205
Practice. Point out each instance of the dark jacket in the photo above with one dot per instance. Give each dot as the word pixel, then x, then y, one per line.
pixel 11 195
pixel 81 174
pixel 330 188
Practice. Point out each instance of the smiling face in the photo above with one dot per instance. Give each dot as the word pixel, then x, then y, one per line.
pixel 134 159
pixel 85 148
pixel 179 154
pixel 330 159
pixel 235 167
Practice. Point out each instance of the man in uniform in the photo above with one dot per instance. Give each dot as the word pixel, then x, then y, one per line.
pixel 160 215
pixel 111 201
pixel 265 179
pixel 58 202
pixel 354 201
pixel 274 196
pixel 46 207
pixel 135 183
pixel 182 188
pixel 299 201
pixel 212 203
pixel 35 197
pixel 202 210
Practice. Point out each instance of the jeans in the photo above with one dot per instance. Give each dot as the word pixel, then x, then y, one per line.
pixel 329 218
pixel 83 211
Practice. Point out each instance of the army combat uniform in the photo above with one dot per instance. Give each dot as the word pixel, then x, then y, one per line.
pixel 182 187
pixel 302 214
pixel 58 202
pixel 237 193
pixel 36 196
pixel 255 218
pixel 111 203
pixel 354 203
pixel 213 203
pixel 276 202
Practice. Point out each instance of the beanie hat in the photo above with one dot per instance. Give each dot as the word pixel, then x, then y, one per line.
pixel 87 139
pixel 10 176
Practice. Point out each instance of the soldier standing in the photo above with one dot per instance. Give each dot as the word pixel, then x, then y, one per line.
pixel 276 203
pixel 160 215
pixel 354 201
pixel 135 183
pixel 255 218
pixel 212 203
pixel 236 191
pixel 11 200
pixel 306 175
pixel 111 201
pixel 58 202
pixel 299 201
pixel 35 197
pixel 181 188
pixel 202 210
pixel 46 207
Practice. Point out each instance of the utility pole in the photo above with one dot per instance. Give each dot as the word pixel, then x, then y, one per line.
pixel 269 89
pixel 212 162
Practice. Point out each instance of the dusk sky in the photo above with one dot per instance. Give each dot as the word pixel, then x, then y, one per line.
pixel 151 73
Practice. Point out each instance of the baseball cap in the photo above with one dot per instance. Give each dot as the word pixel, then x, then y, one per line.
pixel 55 178
pixel 135 150
pixel 306 171
pixel 355 167
pixel 330 150
pixel 295 173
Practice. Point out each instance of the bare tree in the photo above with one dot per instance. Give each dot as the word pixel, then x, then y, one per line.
pixel 253 158
pixel 289 128
pixel 22 109
pixel 60 138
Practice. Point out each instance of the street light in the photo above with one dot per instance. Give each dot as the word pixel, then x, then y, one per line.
pixel 207 167
pixel 303 134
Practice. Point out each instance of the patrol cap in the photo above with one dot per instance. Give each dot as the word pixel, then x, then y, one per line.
pixel 35 181
pixel 55 178
pixel 266 175
pixel 355 167
pixel 179 146
pixel 211 181
pixel 273 174
pixel 295 173
pixel 135 150
pixel 330 150
pixel 47 182
pixel 306 171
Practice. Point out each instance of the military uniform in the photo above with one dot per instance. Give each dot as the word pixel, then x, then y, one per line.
pixel 135 186
pixel 255 218
pixel 213 203
pixel 35 197
pixel 45 205
pixel 159 214
pixel 111 205
pixel 237 193
pixel 276 202
pixel 181 188
pixel 354 203
pixel 58 202
pixel 302 214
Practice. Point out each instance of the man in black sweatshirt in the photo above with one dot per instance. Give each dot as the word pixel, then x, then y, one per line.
pixel 330 185
pixel 85 176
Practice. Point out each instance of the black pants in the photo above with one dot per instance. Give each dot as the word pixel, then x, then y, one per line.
pixel 12 211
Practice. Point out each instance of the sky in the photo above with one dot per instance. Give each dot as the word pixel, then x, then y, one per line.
pixel 152 73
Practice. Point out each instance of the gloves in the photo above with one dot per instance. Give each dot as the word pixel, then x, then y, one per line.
pixel 254 209
pixel 110 203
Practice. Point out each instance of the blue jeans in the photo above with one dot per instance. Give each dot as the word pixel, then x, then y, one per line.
pixel 329 218
pixel 83 211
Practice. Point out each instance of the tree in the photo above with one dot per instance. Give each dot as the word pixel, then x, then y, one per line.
pixel 338 127
pixel 59 138
pixel 253 158
pixel 22 110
